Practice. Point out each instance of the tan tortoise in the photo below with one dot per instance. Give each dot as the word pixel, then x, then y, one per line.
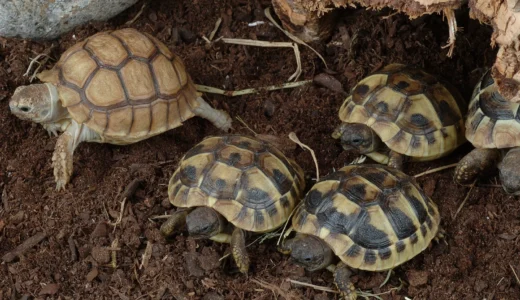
pixel 366 217
pixel 401 111
pixel 227 186
pixel 117 87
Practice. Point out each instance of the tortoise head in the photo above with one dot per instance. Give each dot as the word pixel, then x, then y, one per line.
pixel 310 252
pixel 204 222
pixel 36 102
pixel 357 137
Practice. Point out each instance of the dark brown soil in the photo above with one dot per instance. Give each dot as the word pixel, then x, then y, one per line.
pixel 482 244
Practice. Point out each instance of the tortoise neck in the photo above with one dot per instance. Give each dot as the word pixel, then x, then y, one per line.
pixel 57 111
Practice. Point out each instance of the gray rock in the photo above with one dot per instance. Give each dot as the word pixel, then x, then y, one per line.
pixel 47 19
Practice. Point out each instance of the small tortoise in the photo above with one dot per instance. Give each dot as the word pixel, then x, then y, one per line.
pixel 493 127
pixel 231 185
pixel 116 87
pixel 371 217
pixel 406 109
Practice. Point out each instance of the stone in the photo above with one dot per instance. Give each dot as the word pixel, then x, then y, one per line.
pixel 48 19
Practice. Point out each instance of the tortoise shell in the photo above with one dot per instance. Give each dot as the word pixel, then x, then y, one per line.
pixel 373 217
pixel 124 84
pixel 410 110
pixel 493 122
pixel 248 181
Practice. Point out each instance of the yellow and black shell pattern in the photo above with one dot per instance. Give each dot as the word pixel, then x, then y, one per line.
pixel 410 110
pixel 248 181
pixel 493 122
pixel 373 217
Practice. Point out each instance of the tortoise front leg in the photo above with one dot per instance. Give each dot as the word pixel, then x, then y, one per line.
pixel 63 151
pixel 238 249
pixel 508 172
pixel 176 221
pixel 396 160
pixel 342 280
pixel 476 163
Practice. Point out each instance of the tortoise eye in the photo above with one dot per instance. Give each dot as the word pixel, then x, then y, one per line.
pixel 25 109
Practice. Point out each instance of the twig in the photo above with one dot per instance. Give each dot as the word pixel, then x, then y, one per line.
pixel 271 287
pixel 516 276
pixel 436 170
pixel 146 255
pixel 159 217
pixel 295 139
pixel 452 23
pixel 217 25
pixel 256 43
pixel 245 124
pixel 212 90
pixel 33 61
pixel 267 13
pixel 316 287
pixel 386 279
pixel 136 16
pixel 115 244
pixel 26 245
pixel 465 199
pixel 282 235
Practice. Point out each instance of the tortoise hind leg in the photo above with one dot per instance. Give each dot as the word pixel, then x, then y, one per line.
pixel 396 160
pixel 342 280
pixel 508 172
pixel 476 163
pixel 219 118
pixel 238 249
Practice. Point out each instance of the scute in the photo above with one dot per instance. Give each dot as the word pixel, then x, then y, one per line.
pixel 492 122
pixel 138 44
pixel 107 50
pixel 411 111
pixel 105 89
pixel 373 217
pixel 223 172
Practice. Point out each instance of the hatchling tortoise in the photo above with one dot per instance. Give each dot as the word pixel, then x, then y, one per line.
pixel 371 217
pixel 493 127
pixel 229 186
pixel 117 87
pixel 401 111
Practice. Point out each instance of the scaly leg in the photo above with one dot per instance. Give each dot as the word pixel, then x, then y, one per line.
pixel 174 222
pixel 342 280
pixel 238 249
pixel 508 172
pixel 475 164
pixel 396 160
pixel 219 118
pixel 64 150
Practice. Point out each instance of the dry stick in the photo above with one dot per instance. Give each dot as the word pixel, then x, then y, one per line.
pixel 26 245
pixel 136 16
pixel 217 25
pixel 245 124
pixel 213 90
pixel 316 287
pixel 267 13
pixel 436 170
pixel 516 276
pixel 465 199
pixel 452 23
pixel 146 255
pixel 271 287
pixel 295 139
pixel 256 43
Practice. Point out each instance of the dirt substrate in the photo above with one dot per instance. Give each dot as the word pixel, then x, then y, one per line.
pixel 482 243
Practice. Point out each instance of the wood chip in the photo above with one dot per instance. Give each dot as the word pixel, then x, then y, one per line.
pixel 92 274
pixel 21 249
pixel 50 289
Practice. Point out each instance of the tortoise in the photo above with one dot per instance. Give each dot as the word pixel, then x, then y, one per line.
pixel 369 217
pixel 117 87
pixel 229 186
pixel 493 127
pixel 401 111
